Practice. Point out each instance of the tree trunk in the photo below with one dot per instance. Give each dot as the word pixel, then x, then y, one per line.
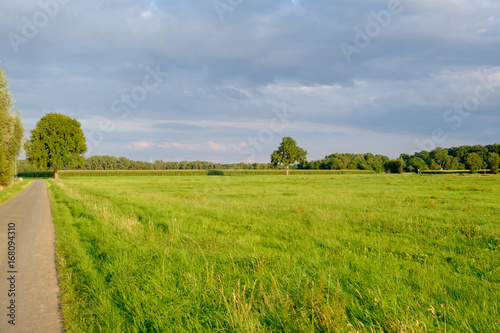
pixel 287 170
pixel 55 174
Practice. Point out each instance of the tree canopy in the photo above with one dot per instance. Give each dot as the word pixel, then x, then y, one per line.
pixel 57 142
pixel 11 133
pixel 288 153
pixel 474 162
pixel 493 162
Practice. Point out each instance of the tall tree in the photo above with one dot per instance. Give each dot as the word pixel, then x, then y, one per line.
pixel 11 133
pixel 288 153
pixel 17 139
pixel 57 142
pixel 474 162
pixel 441 156
pixel 418 164
pixel 493 162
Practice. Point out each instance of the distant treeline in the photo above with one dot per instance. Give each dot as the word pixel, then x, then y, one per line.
pixel 457 158
pixel 348 162
pixel 105 162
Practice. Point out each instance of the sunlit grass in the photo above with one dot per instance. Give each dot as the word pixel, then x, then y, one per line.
pixel 271 253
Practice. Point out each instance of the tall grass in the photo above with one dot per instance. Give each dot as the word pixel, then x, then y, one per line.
pixel 262 254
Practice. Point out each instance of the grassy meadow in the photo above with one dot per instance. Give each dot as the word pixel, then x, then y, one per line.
pixel 322 253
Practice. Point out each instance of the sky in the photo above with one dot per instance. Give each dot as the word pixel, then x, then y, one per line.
pixel 226 80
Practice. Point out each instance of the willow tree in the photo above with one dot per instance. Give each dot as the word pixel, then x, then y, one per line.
pixel 57 142
pixel 288 153
pixel 11 133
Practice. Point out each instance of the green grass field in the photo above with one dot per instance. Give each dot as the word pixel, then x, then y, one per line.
pixel 346 253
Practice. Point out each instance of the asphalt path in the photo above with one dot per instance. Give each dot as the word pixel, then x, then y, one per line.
pixel 28 278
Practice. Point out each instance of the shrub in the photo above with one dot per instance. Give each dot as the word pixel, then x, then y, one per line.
pixel 216 173
pixel 394 166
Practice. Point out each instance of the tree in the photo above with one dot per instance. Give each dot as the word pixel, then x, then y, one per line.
pixel 57 142
pixel 474 162
pixel 394 166
pixel 493 162
pixel 18 139
pixel 441 156
pixel 418 164
pixel 288 153
pixel 11 133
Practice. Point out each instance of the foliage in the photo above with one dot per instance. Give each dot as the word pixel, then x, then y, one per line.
pixel 394 166
pixel 452 158
pixel 36 174
pixel 474 162
pixel 11 134
pixel 416 164
pixel 57 142
pixel 367 253
pixel 288 153
pixel 493 162
pixel 441 156
pixel 105 162
pixel 347 161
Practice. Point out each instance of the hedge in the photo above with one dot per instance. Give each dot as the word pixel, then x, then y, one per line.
pixel 447 172
pixel 36 174
pixel 117 173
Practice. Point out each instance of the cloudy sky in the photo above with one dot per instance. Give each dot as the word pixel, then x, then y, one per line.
pixel 225 80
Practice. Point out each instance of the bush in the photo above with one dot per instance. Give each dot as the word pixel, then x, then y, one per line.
pixel 216 173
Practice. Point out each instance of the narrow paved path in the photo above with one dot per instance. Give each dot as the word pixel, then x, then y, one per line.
pixel 28 277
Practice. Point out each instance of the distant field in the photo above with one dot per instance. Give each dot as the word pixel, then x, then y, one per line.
pixel 398 253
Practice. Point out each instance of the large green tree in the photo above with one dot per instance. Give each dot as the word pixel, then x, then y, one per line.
pixel 418 164
pixel 493 162
pixel 474 162
pixel 288 153
pixel 11 133
pixel 441 156
pixel 57 142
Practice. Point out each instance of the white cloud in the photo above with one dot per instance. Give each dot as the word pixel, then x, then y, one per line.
pixel 142 145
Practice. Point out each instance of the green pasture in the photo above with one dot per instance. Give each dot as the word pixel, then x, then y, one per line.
pixel 305 253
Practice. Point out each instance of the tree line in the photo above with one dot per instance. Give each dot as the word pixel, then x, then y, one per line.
pixel 338 161
pixel 461 158
pixel 106 162
pixel 11 134
pixel 472 158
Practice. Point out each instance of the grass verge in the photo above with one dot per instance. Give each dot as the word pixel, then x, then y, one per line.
pixel 6 194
